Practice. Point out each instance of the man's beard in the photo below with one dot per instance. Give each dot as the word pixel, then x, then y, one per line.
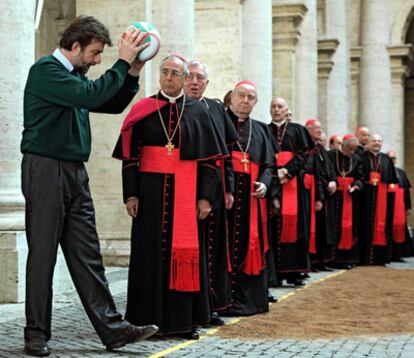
pixel 83 70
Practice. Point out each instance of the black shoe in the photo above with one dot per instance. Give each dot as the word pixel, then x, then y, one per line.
pixel 36 346
pixel 132 334
pixel 190 335
pixel 216 320
pixel 296 282
pixel 271 298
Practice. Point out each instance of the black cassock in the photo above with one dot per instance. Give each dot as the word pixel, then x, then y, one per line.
pixel 325 239
pixel 215 226
pixel 150 299
pixel 360 150
pixel 249 292
pixel 371 253
pixel 346 167
pixel 405 248
pixel 292 259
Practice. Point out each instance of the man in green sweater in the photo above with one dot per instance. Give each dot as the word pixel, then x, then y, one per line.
pixel 59 210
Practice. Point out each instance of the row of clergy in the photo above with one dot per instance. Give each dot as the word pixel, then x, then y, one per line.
pixel 225 206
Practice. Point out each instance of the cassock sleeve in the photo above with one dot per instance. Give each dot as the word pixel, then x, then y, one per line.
pixel 228 175
pixel 358 172
pixel 207 180
pixel 304 144
pixel 130 173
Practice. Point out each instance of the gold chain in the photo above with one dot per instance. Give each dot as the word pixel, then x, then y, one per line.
pixel 244 160
pixel 343 172
pixel 170 146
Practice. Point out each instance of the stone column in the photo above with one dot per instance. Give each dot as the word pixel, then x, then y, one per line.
pixel 375 76
pixel 256 52
pixel 222 19
pixel 112 222
pixel 399 58
pixel 17 39
pixel 326 50
pixel 307 66
pixel 355 56
pixel 338 86
pixel 175 22
pixel 286 34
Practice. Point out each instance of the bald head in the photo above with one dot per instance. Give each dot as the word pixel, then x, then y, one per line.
pixel 278 109
pixel 362 133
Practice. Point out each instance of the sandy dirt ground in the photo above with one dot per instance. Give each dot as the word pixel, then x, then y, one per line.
pixel 361 302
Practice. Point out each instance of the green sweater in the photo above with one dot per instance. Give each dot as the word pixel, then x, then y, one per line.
pixel 57 104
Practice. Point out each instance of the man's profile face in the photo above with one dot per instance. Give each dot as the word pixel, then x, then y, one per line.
pixel 196 82
pixel 336 144
pixel 278 109
pixel 88 56
pixel 350 149
pixel 243 99
pixel 315 131
pixel 172 77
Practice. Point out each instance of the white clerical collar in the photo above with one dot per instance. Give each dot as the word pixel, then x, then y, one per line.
pixel 279 124
pixel 63 60
pixel 172 99
pixel 374 154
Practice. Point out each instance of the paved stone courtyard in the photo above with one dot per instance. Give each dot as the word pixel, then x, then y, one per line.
pixel 73 335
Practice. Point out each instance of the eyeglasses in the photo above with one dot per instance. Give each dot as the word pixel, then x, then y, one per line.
pixel 172 73
pixel 198 77
pixel 242 95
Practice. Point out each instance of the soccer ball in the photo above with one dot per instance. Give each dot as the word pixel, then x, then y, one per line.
pixel 152 36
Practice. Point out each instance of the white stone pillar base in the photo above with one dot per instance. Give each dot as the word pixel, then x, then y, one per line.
pixel 13 254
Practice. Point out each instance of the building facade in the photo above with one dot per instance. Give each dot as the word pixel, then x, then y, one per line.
pixel 346 62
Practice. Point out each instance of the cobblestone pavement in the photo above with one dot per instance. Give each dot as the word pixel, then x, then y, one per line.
pixel 73 335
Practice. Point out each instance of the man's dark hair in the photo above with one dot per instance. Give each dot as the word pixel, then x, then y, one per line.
pixel 84 29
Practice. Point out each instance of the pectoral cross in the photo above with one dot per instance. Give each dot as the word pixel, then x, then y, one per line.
pixel 169 147
pixel 245 161
pixel 374 181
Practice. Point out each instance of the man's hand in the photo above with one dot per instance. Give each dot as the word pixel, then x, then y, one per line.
pixel 228 200
pixel 331 187
pixel 260 191
pixel 282 175
pixel 132 207
pixel 408 212
pixel 136 68
pixel 318 205
pixel 128 45
pixel 352 189
pixel 203 209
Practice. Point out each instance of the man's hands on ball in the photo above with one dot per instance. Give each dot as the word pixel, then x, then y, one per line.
pixel 129 45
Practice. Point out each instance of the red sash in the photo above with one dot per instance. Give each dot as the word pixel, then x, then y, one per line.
pixel 184 275
pixel 398 227
pixel 289 202
pixel 346 241
pixel 380 238
pixel 254 263
pixel 309 182
pixel 139 110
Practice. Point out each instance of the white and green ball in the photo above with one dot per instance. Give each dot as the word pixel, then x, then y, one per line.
pixel 152 36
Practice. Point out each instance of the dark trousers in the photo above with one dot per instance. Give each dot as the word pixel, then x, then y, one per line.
pixel 59 210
